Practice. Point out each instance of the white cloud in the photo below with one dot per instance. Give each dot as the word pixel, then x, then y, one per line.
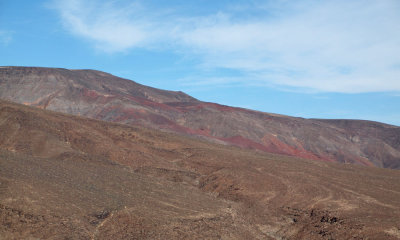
pixel 111 28
pixel 338 46
pixel 334 46
pixel 5 37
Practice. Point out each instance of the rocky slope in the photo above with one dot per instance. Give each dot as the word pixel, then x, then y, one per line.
pixel 102 96
pixel 69 177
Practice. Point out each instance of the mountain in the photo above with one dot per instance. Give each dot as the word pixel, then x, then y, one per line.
pixel 102 96
pixel 70 177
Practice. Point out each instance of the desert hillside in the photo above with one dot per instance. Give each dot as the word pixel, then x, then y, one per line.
pixel 102 96
pixel 64 176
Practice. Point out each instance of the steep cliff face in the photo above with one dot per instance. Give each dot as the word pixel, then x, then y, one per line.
pixel 103 96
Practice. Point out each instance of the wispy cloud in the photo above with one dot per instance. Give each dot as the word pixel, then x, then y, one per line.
pixel 339 46
pixel 332 46
pixel 110 27
pixel 5 37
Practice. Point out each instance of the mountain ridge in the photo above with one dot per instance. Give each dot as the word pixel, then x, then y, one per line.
pixel 100 95
pixel 66 176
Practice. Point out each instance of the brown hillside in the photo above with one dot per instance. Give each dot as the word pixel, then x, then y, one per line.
pixel 105 97
pixel 67 177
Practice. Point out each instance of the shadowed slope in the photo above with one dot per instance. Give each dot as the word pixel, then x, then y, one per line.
pixel 102 96
pixel 65 176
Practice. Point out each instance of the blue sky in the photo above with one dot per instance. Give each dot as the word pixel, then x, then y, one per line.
pixel 312 59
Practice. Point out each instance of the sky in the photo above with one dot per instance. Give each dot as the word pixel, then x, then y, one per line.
pixel 305 58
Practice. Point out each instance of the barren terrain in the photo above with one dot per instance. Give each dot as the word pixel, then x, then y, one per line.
pixel 69 177
pixel 102 96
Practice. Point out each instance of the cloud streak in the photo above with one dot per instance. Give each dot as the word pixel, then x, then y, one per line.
pixel 110 28
pixel 323 46
pixel 5 37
